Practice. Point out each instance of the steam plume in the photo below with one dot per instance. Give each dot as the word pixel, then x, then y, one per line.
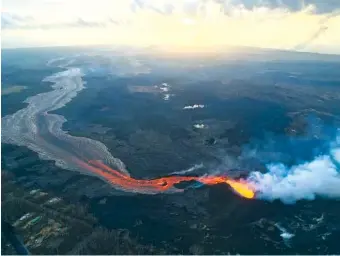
pixel 319 177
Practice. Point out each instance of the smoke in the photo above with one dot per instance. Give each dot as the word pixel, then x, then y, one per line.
pixel 319 177
pixel 286 236
pixel 189 170
pixel 194 106
pixel 199 126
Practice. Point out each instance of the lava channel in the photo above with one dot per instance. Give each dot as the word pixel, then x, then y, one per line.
pixel 153 186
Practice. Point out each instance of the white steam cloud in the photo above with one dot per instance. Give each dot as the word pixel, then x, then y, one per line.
pixel 319 177
pixel 199 126
pixel 194 106
pixel 189 170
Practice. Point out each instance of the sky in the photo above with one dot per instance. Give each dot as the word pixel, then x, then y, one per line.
pixel 300 25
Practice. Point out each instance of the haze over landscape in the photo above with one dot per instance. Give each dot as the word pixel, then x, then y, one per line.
pixel 171 127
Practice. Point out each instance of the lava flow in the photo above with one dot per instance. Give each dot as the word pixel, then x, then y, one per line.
pixel 152 186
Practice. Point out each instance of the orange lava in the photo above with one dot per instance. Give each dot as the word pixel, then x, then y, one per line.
pixel 128 183
pixel 241 187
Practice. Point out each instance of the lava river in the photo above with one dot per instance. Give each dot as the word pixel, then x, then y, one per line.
pixel 152 186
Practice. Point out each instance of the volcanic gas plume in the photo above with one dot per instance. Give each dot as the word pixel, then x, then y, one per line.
pixel 319 177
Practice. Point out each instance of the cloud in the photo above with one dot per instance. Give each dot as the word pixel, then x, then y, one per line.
pixel 324 6
pixel 189 25
pixel 9 20
pixel 13 21
pixel 83 23
pixel 199 6
pixel 161 7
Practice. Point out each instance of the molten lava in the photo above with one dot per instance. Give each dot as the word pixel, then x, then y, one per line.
pixel 239 186
pixel 125 182
pixel 242 188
